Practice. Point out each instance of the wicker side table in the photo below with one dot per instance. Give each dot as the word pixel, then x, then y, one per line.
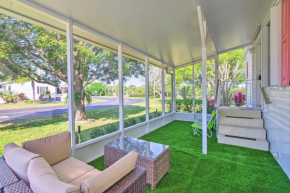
pixel 155 167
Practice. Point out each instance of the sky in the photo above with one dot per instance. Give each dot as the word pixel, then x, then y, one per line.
pixel 135 81
pixel 132 81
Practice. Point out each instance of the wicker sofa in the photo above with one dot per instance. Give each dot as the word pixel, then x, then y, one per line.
pixel 45 166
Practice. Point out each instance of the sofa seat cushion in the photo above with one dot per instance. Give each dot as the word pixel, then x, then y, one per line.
pixel 7 177
pixel 77 182
pixel 44 180
pixel 53 148
pixel 70 169
pixel 18 160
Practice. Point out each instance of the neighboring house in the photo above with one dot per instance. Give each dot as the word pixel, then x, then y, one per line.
pixel 40 89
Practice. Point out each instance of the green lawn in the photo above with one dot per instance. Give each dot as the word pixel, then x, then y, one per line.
pixel 22 105
pixel 106 121
pixel 226 168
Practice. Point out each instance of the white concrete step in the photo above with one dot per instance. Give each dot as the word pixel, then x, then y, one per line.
pixel 240 112
pixel 243 122
pixel 241 131
pixel 260 144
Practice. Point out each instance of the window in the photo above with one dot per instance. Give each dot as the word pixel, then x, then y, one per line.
pixel 155 90
pixel 58 91
pixel 184 89
pixel 134 92
pixel 96 91
pixel 168 90
pixel 42 89
pixel 26 123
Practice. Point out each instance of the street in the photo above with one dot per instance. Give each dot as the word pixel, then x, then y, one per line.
pixel 6 115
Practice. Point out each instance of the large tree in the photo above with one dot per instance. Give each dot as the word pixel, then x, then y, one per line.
pixel 184 82
pixel 155 81
pixel 231 74
pixel 97 88
pixel 41 55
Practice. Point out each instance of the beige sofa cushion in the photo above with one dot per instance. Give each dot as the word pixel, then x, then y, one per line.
pixel 111 175
pixel 70 169
pixel 44 180
pixel 53 148
pixel 18 160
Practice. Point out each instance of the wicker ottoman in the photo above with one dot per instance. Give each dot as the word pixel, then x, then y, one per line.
pixel 153 157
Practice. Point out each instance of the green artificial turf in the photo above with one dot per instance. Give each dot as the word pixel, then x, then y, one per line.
pixel 224 169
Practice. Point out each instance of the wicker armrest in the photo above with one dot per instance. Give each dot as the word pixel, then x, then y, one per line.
pixel 18 187
pixel 7 177
pixel 134 182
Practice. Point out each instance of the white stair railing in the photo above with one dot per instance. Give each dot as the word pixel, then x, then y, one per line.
pixel 217 104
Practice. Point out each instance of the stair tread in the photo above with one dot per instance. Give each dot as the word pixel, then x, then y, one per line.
pixel 260 144
pixel 232 117
pixel 240 112
pixel 241 121
pixel 257 139
pixel 243 127
pixel 227 108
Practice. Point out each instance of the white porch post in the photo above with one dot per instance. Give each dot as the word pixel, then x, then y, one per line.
pixel 253 81
pixel 162 93
pixel 203 33
pixel 193 91
pixel 173 93
pixel 217 97
pixel 70 77
pixel 216 72
pixel 121 96
pixel 147 92
pixel 204 103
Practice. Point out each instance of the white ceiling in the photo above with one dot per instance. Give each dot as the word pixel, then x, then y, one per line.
pixel 167 30
pixel 233 23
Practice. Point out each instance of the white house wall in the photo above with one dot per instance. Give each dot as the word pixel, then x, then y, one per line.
pixel 277 123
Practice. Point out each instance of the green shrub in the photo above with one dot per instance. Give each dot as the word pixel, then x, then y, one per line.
pixel 9 96
pixel 28 101
pixel 142 118
pixel 167 107
pixel 100 131
pixel 185 106
pixel 137 95
pixel 154 115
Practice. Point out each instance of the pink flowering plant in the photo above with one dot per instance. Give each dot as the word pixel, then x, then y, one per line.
pixel 240 99
pixel 211 103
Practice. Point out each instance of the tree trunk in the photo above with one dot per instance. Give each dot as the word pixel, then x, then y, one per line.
pixel 81 114
pixel 80 110
pixel 33 90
